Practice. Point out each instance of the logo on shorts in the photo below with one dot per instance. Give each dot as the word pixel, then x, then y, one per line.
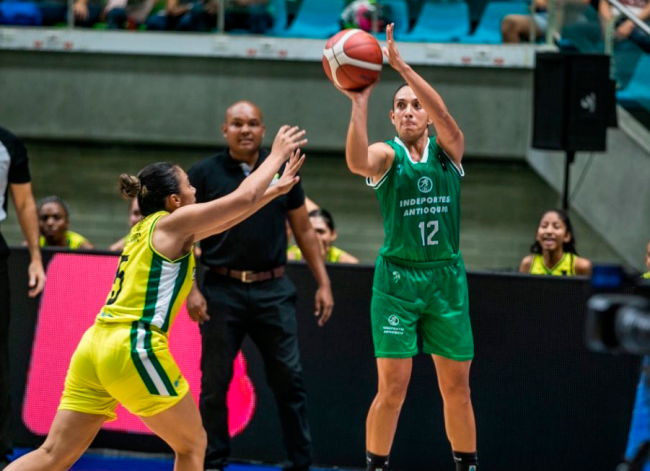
pixel 393 320
pixel 425 185
pixel 396 276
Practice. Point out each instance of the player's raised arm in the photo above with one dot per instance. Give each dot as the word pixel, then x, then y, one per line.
pixel 368 161
pixel 449 135
pixel 199 218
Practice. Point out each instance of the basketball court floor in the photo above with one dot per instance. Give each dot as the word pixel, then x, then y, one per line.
pixel 110 460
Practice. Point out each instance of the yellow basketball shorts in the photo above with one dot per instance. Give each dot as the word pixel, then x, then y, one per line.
pixel 126 363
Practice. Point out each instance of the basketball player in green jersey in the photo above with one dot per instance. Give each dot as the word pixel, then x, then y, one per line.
pixel 124 357
pixel 420 282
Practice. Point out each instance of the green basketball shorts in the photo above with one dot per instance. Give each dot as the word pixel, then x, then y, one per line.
pixel 429 299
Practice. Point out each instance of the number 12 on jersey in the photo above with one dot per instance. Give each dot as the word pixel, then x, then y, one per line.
pixel 431 228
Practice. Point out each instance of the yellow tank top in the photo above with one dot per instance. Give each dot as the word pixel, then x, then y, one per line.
pixel 74 240
pixel 565 267
pixel 333 254
pixel 148 287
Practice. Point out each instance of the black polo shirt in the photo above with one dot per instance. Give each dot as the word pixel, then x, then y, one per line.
pixel 14 168
pixel 258 243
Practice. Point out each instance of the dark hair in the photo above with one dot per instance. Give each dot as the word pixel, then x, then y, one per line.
pixel 570 246
pixel 54 199
pixel 152 186
pixel 325 214
pixel 401 85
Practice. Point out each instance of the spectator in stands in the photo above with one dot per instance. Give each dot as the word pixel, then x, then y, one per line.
pixel 14 178
pixel 554 250
pixel 361 14
pixel 625 28
pixel 54 222
pixel 121 14
pixel 86 12
pixel 182 15
pixel 250 15
pixel 647 261
pixel 134 217
pixel 323 223
pixel 516 28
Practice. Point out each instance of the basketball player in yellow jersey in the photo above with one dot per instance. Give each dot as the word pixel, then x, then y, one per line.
pixel 124 356
pixel 554 251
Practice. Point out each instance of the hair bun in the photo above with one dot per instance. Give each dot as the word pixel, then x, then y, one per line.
pixel 130 185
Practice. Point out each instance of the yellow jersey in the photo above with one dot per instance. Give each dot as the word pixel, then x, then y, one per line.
pixel 565 267
pixel 149 288
pixel 646 275
pixel 333 254
pixel 73 239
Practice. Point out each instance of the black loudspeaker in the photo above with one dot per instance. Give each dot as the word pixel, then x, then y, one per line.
pixel 574 102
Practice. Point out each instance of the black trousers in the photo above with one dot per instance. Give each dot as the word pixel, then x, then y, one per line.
pixel 266 312
pixel 5 386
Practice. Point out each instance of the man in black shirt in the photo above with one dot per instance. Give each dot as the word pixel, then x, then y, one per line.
pixel 246 292
pixel 14 176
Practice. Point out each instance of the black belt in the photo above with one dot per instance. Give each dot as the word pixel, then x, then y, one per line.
pixel 249 276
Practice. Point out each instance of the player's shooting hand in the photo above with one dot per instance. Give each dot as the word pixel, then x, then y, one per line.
pixel 197 306
pixel 287 140
pixel 36 276
pixel 290 175
pixel 324 304
pixel 391 52
pixel 357 96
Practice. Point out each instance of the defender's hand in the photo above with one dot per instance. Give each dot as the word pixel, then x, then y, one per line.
pixel 287 140
pixel 290 175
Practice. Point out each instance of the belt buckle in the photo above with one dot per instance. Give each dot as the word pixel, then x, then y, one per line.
pixel 245 277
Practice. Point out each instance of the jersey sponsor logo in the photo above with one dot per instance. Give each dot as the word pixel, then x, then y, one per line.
pixel 400 169
pixel 425 185
pixel 393 327
pixel 396 276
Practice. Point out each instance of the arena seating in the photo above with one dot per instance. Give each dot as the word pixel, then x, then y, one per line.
pixel 637 92
pixel 440 23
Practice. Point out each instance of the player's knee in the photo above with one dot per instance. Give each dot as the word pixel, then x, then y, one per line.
pixel 55 458
pixel 194 444
pixel 393 396
pixel 457 393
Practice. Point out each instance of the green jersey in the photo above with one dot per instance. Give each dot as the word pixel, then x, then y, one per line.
pixel 420 204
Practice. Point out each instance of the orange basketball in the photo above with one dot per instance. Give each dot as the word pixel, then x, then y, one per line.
pixel 352 59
